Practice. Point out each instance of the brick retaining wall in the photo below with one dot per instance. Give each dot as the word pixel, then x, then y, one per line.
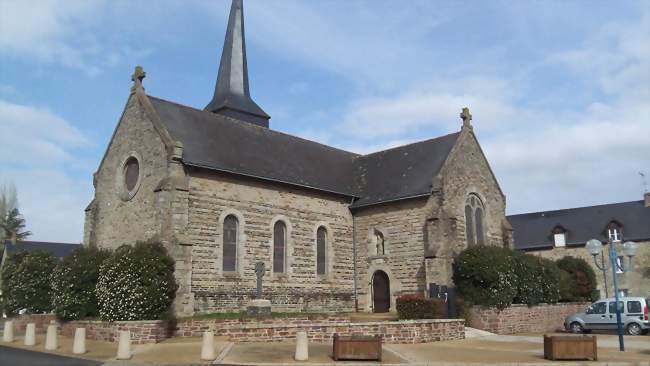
pixel 144 331
pixel 319 329
pixel 322 329
pixel 523 319
pixel 40 320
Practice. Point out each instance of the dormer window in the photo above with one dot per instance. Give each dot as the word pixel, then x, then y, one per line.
pixel 614 231
pixel 559 236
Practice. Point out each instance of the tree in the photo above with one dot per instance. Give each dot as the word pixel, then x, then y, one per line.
pixel 8 202
pixel 13 225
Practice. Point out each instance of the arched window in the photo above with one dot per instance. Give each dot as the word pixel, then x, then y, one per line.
pixel 474 213
pixel 230 229
pixel 321 248
pixel 380 244
pixel 279 246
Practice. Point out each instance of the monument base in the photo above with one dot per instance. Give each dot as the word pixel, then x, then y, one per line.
pixel 259 307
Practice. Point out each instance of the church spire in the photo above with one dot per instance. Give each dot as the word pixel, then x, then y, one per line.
pixel 231 96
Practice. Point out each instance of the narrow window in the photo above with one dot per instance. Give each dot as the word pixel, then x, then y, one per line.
pixel 321 244
pixel 279 244
pixel 620 264
pixel 469 226
pixel 479 226
pixel 474 229
pixel 230 228
pixel 559 236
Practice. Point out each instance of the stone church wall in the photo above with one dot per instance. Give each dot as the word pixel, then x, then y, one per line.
pixel 257 206
pixel 115 221
pixel 401 223
pixel 465 172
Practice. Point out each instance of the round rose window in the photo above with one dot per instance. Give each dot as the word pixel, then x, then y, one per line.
pixel 131 173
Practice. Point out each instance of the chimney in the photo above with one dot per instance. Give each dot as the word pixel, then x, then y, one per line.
pixel 646 199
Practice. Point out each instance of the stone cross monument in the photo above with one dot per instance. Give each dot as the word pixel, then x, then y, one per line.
pixel 259 306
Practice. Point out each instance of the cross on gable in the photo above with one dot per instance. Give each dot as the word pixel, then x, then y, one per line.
pixel 466 116
pixel 137 76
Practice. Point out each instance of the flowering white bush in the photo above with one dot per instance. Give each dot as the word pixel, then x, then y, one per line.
pixel 26 282
pixel 136 283
pixel 74 281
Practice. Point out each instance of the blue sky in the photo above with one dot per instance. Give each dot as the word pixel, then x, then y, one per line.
pixel 559 90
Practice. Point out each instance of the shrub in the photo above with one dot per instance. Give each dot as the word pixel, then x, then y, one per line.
pixel 74 281
pixel 550 281
pixel 530 279
pixel 582 279
pixel 26 282
pixel 485 275
pixel 417 307
pixel 136 283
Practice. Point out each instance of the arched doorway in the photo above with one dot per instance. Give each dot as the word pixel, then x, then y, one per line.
pixel 380 292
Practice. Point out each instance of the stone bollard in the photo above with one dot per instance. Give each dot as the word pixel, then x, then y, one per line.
pixel 124 346
pixel 51 343
pixel 207 348
pixel 302 347
pixel 8 334
pixel 30 334
pixel 79 344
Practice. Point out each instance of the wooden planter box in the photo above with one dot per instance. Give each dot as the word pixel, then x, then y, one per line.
pixel 357 348
pixel 570 347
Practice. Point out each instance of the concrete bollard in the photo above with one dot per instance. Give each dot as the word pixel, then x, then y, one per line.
pixel 124 346
pixel 302 347
pixel 79 343
pixel 8 334
pixel 51 343
pixel 30 334
pixel 207 348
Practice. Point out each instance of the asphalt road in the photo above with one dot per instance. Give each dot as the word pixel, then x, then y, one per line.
pixel 17 357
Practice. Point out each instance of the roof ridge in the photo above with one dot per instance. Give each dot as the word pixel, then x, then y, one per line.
pixel 409 144
pixel 574 208
pixel 254 126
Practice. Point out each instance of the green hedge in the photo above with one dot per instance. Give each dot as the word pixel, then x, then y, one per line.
pixel 26 282
pixel 136 283
pixel 417 307
pixel 499 277
pixel 581 280
pixel 485 275
pixel 74 281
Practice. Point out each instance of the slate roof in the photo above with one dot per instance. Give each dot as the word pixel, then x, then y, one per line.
pixel 534 230
pixel 215 142
pixel 401 172
pixel 58 250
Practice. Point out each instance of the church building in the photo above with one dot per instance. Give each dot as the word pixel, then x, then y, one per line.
pixel 336 230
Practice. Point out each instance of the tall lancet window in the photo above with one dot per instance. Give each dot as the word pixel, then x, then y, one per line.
pixel 474 217
pixel 279 246
pixel 230 228
pixel 380 243
pixel 321 249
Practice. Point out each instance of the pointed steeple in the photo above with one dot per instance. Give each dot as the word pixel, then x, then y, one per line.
pixel 231 96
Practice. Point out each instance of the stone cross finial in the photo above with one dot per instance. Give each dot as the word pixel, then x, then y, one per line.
pixel 466 117
pixel 137 77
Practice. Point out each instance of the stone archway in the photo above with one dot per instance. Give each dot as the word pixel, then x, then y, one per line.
pixel 380 292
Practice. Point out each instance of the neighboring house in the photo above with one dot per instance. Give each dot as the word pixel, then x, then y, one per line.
pixel 334 229
pixel 559 233
pixel 58 250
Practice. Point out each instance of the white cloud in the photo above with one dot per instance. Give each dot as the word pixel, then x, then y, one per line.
pixel 65 32
pixel 39 154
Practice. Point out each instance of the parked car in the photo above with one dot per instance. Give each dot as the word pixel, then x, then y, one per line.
pixel 601 315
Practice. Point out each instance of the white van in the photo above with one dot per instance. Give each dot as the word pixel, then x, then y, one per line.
pixel 601 315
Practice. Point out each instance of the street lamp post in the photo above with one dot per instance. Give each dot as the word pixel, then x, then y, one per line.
pixel 595 247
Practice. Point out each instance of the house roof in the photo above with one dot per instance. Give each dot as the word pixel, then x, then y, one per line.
pixel 534 230
pixel 213 141
pixel 58 250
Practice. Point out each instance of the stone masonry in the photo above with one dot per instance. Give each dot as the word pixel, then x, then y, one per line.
pixel 524 319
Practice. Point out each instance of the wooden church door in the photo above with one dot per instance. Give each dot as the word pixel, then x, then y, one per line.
pixel 380 292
